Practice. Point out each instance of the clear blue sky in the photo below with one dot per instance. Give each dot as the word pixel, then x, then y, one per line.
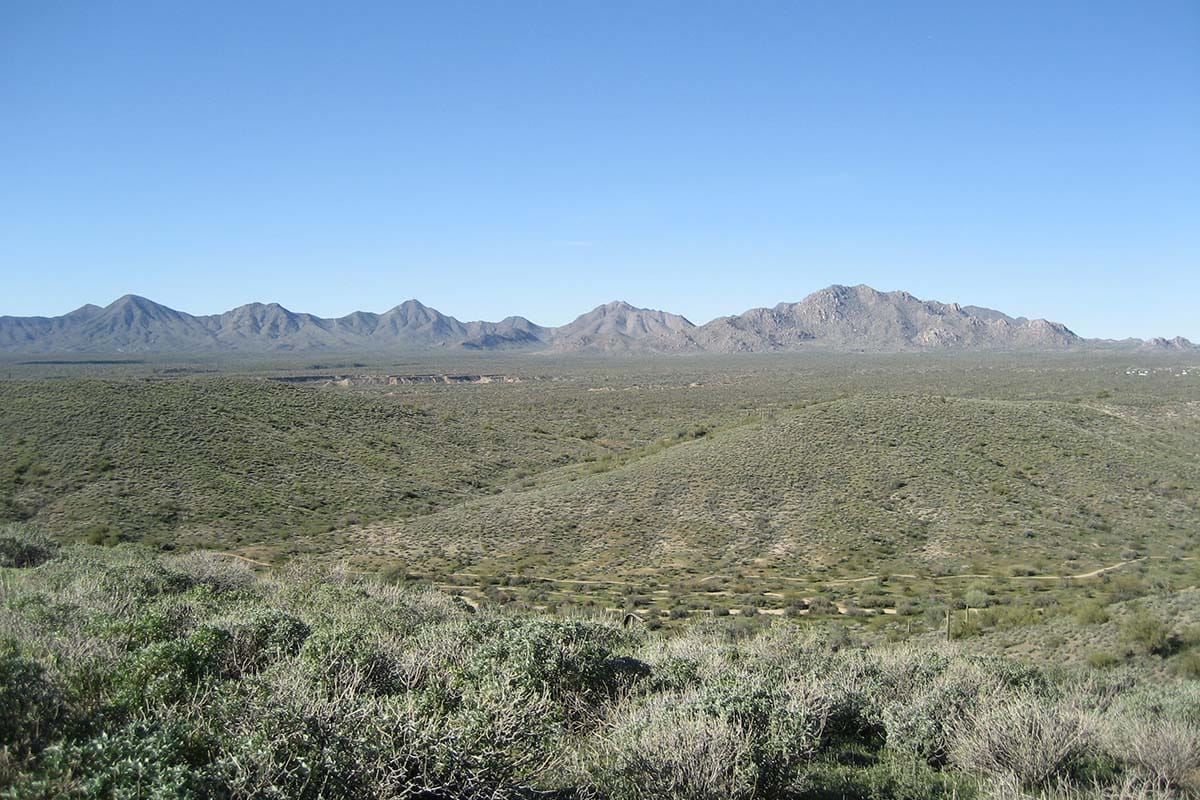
pixel 494 158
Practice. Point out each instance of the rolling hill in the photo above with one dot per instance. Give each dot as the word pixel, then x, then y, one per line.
pixel 847 487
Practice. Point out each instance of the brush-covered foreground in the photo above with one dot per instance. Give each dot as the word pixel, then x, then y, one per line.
pixel 132 674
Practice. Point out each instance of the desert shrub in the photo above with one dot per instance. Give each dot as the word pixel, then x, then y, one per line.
pixel 222 573
pixel 855 774
pixel 1179 701
pixel 149 624
pixel 977 598
pixel 262 637
pixel 133 762
pixel 571 660
pixel 1102 659
pixel 129 581
pixel 296 741
pixel 783 720
pixel 1128 787
pixel 1161 747
pixel 292 739
pixel 669 746
pixel 821 605
pixel 166 672
pixel 1033 738
pixel 1146 633
pixel 904 669
pixel 23 546
pixel 1187 665
pixel 493 742
pixel 674 674
pixel 30 707
pixel 1092 612
pixel 338 655
pixel 921 722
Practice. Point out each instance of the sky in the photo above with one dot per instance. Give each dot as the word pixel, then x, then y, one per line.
pixel 540 158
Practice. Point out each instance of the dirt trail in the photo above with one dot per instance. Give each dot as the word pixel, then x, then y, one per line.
pixel 1078 576
pixel 1091 574
pixel 241 557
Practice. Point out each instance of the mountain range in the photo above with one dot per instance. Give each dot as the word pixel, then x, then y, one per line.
pixel 837 317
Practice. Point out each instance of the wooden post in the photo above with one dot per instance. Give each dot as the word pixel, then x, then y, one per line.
pixel 947 623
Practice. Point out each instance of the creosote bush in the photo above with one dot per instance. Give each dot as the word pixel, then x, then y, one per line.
pixel 130 674
pixel 1031 737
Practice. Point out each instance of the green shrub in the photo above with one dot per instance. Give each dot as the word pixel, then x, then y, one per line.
pixel 1102 659
pixel 921 722
pixel 573 661
pixel 1146 633
pixel 30 708
pixel 296 741
pixel 134 762
pixel 166 672
pixel 783 721
pixel 263 637
pixel 218 571
pixel 1092 612
pixel 156 623
pixel 351 655
pixel 22 546
pixel 1187 665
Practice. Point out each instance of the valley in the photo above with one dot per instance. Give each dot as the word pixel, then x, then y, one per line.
pixel 878 491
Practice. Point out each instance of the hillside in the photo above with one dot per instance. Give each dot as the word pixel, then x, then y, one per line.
pixel 862 318
pixel 855 318
pixel 240 460
pixel 849 487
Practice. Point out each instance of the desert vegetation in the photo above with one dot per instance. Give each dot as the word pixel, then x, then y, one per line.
pixel 839 577
pixel 128 673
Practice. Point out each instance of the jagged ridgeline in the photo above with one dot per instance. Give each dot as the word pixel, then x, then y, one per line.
pixel 838 317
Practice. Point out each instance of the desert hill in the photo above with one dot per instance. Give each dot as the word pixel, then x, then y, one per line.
pixel 928 482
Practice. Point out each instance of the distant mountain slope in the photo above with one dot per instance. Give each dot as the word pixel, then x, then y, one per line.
pixel 837 317
pixel 620 326
pixel 860 317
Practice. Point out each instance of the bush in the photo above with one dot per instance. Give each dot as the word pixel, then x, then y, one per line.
pixel 30 709
pixel 1187 665
pixel 351 655
pixel 1031 737
pixel 1147 634
pixel 263 637
pixel 1092 612
pixel 921 722
pixel 1160 747
pixel 296 741
pixel 166 672
pixel 783 720
pixel 669 747
pixel 22 546
pixel 571 660
pixel 220 572
pixel 1102 659
pixel 134 762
